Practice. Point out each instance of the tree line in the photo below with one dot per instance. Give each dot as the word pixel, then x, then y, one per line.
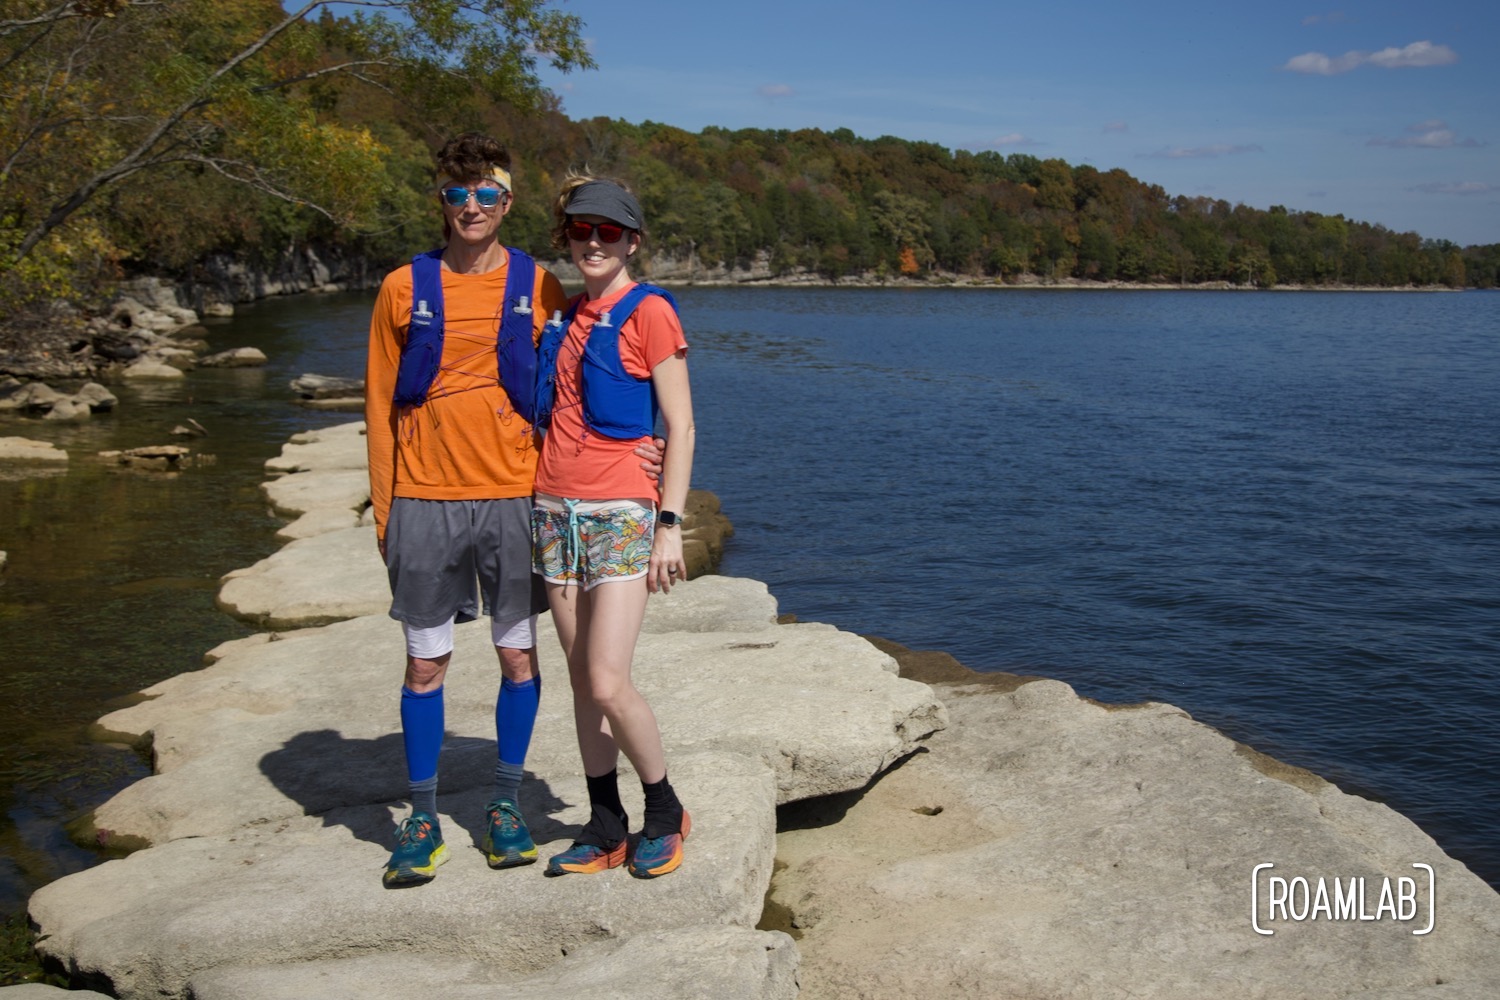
pixel 145 135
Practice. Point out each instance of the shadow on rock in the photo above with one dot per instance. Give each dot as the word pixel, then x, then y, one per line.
pixel 353 783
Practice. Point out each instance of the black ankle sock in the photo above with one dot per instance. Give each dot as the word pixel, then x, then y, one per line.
pixel 663 811
pixel 608 824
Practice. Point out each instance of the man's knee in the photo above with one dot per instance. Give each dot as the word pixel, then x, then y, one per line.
pixel 423 675
pixel 515 642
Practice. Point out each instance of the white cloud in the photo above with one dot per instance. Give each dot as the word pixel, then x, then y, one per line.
pixel 1431 134
pixel 771 91
pixel 1457 187
pixel 1417 54
pixel 1202 152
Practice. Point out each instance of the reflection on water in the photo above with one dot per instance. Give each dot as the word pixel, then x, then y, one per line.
pixel 113 571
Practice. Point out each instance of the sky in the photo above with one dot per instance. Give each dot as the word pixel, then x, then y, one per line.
pixel 1383 112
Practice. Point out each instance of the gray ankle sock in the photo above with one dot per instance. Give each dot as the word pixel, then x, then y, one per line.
pixel 508 781
pixel 424 796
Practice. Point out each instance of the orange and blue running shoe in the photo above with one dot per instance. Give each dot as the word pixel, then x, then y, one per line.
pixel 507 842
pixel 658 855
pixel 419 851
pixel 586 859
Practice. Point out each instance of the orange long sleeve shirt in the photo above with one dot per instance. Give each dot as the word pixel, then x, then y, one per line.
pixel 466 442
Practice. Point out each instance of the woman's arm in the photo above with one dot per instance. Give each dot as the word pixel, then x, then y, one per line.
pixel 675 398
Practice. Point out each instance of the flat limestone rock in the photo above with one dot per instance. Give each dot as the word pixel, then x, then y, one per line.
pixel 309 722
pixel 20 449
pixel 727 963
pixel 41 991
pixel 1046 847
pixel 341 447
pixel 712 604
pixel 323 578
pixel 343 488
pixel 318 522
pixel 308 888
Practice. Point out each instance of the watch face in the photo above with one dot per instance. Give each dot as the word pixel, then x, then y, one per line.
pixel 668 518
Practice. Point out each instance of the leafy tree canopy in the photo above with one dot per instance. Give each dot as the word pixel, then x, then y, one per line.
pixel 122 97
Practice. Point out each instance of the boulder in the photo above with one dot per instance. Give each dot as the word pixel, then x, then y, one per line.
pixel 20 449
pixel 69 408
pixel 310 386
pixel 98 398
pixel 238 357
pixel 157 457
pixel 148 367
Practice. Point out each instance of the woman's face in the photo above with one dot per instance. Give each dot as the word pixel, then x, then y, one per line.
pixel 599 261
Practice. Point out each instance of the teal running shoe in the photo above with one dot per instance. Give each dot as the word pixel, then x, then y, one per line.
pixel 507 842
pixel 419 851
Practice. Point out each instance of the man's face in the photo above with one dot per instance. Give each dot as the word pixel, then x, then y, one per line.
pixel 471 222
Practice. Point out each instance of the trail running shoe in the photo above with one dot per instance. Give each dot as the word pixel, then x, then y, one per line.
pixel 419 850
pixel 658 855
pixel 507 842
pixel 586 859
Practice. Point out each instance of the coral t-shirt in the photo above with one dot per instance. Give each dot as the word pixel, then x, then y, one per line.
pixel 582 464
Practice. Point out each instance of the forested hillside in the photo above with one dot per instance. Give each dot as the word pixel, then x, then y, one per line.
pixel 143 135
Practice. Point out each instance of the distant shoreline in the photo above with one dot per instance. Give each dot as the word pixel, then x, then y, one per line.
pixel 675 274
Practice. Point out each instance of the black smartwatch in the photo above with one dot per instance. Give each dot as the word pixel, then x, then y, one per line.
pixel 668 518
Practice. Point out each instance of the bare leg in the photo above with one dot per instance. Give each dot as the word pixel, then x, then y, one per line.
pixel 598 630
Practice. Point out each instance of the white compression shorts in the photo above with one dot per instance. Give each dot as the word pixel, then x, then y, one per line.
pixel 431 643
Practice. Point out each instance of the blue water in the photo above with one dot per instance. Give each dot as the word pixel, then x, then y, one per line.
pixel 1280 512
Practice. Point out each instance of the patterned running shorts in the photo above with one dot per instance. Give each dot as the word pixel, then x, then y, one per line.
pixel 590 541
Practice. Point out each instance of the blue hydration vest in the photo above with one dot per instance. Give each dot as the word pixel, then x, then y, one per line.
pixel 615 402
pixel 515 346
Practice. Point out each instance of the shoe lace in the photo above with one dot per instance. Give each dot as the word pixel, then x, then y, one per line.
pixel 412 829
pixel 503 815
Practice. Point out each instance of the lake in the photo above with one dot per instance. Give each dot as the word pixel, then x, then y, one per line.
pixel 1277 511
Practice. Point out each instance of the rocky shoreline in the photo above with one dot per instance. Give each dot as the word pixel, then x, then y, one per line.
pixel 932 833
pixel 148 330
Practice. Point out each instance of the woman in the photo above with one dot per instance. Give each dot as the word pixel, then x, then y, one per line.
pixel 605 535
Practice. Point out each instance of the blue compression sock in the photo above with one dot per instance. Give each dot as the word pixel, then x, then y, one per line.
pixel 515 717
pixel 422 735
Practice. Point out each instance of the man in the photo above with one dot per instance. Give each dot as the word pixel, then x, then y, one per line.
pixel 452 456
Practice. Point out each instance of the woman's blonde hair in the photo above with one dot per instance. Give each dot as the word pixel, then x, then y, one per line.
pixel 575 180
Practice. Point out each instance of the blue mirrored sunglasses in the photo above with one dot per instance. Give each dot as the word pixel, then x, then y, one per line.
pixel 484 197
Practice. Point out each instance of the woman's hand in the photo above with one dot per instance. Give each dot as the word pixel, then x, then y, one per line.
pixel 667 565
pixel 652 452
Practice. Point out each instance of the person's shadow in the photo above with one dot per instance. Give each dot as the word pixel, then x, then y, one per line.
pixel 352 783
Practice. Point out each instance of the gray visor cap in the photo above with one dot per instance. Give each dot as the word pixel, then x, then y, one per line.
pixel 606 199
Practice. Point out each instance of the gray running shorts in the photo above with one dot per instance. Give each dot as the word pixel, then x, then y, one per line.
pixel 452 558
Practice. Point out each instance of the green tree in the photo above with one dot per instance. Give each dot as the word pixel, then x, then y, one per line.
pixel 115 92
